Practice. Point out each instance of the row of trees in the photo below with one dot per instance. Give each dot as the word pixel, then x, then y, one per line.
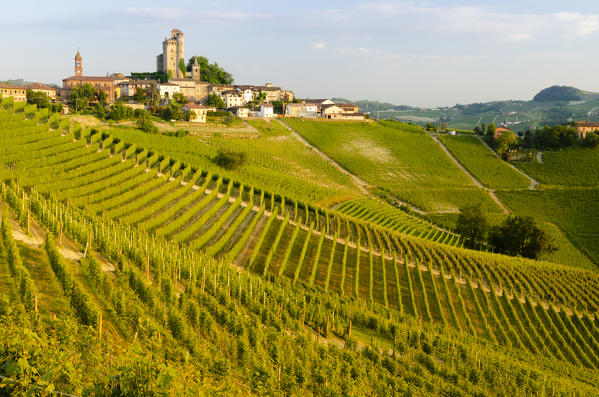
pixel 515 236
pixel 548 137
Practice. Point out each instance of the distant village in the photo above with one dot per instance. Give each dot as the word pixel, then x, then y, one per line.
pixel 241 100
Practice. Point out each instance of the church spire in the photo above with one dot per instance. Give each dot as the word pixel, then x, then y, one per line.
pixel 78 66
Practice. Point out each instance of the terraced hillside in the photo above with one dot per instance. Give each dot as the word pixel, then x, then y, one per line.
pixel 181 214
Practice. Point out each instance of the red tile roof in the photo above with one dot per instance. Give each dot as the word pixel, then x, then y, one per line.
pixel 39 86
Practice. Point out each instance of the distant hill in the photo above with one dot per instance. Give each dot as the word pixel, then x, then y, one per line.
pixel 552 105
pixel 20 82
pixel 372 106
pixel 558 93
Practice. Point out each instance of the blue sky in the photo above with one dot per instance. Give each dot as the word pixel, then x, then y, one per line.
pixel 421 53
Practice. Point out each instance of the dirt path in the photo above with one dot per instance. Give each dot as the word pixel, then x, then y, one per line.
pixel 533 182
pixel 465 171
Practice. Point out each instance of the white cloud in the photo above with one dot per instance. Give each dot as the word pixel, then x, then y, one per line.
pixel 318 46
pixel 583 24
pixel 476 21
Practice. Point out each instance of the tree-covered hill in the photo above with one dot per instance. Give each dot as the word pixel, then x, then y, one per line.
pixel 558 93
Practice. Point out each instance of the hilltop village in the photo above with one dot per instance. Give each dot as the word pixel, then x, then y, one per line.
pixel 172 82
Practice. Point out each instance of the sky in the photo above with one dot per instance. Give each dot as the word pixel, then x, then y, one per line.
pixel 418 53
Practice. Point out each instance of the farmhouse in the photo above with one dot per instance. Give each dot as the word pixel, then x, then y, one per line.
pixel 309 110
pixel 39 87
pixel 199 112
pixel 584 127
pixel 128 88
pixel 17 92
pixel 266 110
pixel 167 90
pixel 341 111
pixel 241 111
pixel 106 84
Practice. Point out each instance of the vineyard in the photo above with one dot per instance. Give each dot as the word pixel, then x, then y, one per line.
pixel 399 159
pixel 273 159
pixel 483 163
pixel 574 210
pixel 573 166
pixel 266 290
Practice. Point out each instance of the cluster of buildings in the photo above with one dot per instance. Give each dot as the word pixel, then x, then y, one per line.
pixel 324 108
pixel 19 93
pixel 239 99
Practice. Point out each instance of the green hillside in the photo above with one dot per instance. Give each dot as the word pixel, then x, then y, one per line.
pixel 551 106
pixel 132 264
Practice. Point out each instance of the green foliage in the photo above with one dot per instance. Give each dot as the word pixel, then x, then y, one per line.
pixel 43 101
pixel 215 101
pixel 230 160
pixel 223 117
pixel 591 140
pixel 118 112
pixel 210 72
pixel 472 225
pixel 83 96
pixel 146 125
pixel 182 67
pixel 519 236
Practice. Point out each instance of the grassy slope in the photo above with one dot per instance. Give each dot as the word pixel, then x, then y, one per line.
pixel 483 163
pixel 402 160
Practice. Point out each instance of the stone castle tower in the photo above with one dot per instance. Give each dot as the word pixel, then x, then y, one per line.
pixel 172 54
pixel 78 66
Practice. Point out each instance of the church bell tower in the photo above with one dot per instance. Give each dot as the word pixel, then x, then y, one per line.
pixel 78 67
pixel 195 70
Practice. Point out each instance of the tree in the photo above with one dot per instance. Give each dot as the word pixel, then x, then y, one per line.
pixel 182 67
pixel 257 100
pixel 278 107
pixel 472 225
pixel 591 140
pixel 214 100
pixel 491 132
pixel 180 98
pixel 506 141
pixel 229 160
pixel 519 236
pixel 39 98
pixel 139 95
pixel 146 125
pixel 210 72
pixel 119 112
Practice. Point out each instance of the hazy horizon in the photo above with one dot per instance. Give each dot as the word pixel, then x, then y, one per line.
pixel 433 53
